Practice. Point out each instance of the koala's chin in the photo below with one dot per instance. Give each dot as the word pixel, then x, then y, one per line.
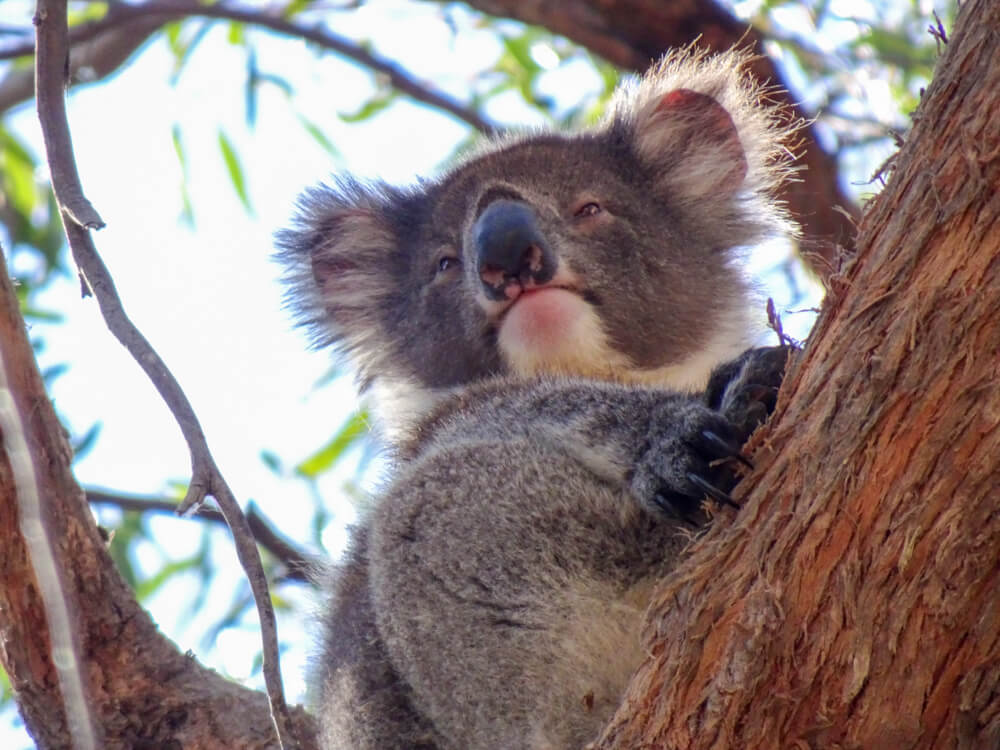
pixel 553 331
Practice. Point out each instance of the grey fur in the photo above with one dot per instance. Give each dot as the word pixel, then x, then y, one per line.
pixel 493 596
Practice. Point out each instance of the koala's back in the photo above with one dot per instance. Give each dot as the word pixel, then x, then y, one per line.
pixel 362 701
pixel 537 324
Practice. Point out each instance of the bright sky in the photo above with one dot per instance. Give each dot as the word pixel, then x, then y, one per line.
pixel 206 297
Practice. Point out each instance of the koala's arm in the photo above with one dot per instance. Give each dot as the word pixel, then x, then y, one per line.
pixel 668 449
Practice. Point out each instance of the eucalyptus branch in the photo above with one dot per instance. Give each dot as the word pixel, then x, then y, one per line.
pixel 78 218
pixel 297 562
pixel 90 60
pixel 168 10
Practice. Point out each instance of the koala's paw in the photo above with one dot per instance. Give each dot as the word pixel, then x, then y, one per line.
pixel 746 389
pixel 689 453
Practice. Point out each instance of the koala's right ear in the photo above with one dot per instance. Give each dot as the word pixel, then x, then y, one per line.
pixel 338 258
pixel 715 142
pixel 690 134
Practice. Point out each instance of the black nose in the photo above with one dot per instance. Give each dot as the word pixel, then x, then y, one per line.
pixel 510 248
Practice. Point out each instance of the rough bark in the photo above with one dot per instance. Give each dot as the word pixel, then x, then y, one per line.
pixel 143 691
pixel 633 33
pixel 854 601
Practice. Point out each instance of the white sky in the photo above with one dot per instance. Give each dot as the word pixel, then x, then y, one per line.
pixel 207 297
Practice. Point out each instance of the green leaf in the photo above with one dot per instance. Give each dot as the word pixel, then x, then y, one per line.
pixel 897 48
pixel 232 161
pixel 176 138
pixel 610 75
pixel 51 373
pixel 149 586
pixel 275 80
pixel 241 603
pixel 181 47
pixel 258 663
pixel 770 5
pixel 237 33
pixel 187 207
pixel 6 693
pixel 250 89
pixel 519 47
pixel 41 316
pixel 172 31
pixel 295 7
pixel 8 142
pixel 126 535
pixel 271 461
pixel 176 489
pixel 320 137
pixel 82 445
pixel 370 108
pixel 89 12
pixel 322 460
pixel 17 177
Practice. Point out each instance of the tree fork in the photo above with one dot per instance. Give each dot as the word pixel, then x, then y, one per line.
pixel 854 601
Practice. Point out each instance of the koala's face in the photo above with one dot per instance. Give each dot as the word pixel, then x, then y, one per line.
pixel 564 254
pixel 600 254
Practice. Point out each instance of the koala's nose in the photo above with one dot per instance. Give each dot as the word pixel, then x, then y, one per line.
pixel 510 248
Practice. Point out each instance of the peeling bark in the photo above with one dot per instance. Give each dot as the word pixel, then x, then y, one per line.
pixel 854 601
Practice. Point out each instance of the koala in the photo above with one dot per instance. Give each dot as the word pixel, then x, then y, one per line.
pixel 539 328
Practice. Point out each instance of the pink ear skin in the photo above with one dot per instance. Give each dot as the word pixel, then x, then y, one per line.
pixel 324 267
pixel 340 250
pixel 710 132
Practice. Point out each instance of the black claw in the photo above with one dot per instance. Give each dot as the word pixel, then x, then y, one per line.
pixel 722 447
pixel 713 492
pixel 670 507
pixel 725 448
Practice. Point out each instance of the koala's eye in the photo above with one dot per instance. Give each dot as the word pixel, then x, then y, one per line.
pixel 447 263
pixel 587 209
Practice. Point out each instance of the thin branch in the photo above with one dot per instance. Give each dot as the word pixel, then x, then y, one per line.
pixel 49 66
pixel 297 562
pixel 90 61
pixel 168 10
pixel 78 217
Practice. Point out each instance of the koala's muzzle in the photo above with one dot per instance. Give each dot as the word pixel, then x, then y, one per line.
pixel 510 249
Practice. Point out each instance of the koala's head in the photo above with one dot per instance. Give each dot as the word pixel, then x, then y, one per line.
pixel 604 253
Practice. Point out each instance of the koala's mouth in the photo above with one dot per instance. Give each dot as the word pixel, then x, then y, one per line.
pixel 518 293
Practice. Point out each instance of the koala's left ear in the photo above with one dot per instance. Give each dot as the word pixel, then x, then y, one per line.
pixel 691 137
pixel 339 258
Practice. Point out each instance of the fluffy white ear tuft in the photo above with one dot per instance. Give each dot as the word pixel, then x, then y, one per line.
pixel 696 136
pixel 712 133
pixel 336 256
pixel 349 261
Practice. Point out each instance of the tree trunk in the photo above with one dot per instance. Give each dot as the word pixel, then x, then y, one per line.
pixel 854 601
